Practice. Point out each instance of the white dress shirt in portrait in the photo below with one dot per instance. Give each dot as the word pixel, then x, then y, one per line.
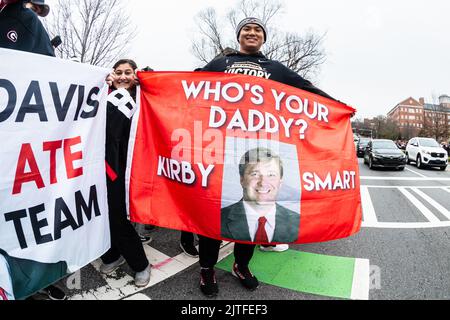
pixel 253 217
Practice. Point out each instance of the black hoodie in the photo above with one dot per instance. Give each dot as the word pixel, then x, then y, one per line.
pixel 21 29
pixel 258 65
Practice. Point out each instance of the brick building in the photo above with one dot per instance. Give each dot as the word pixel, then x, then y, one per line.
pixel 413 116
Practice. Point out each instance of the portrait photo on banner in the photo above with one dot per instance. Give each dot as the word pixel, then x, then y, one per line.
pixel 261 191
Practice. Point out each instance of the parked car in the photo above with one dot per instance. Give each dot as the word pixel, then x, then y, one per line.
pixel 384 154
pixel 361 146
pixel 426 152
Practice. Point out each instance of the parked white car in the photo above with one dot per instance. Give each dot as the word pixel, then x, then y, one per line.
pixel 426 152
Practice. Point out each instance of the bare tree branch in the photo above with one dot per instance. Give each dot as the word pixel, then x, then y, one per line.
pixel 95 31
pixel 436 123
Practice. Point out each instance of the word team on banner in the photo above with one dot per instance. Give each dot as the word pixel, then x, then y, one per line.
pixel 54 212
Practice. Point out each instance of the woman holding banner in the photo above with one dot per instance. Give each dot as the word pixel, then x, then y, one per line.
pixel 126 245
pixel 251 34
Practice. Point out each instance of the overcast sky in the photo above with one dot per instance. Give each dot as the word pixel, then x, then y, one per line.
pixel 379 52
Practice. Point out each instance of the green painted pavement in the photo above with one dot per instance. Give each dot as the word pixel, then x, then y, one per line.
pixel 300 271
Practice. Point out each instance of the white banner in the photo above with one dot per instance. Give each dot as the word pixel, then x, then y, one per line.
pixel 53 201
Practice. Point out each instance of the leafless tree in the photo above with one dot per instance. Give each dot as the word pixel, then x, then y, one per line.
pixel 436 120
pixel 380 127
pixel 94 31
pixel 302 53
pixel 386 128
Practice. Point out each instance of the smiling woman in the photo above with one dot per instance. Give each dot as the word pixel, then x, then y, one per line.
pixel 125 243
pixel 125 76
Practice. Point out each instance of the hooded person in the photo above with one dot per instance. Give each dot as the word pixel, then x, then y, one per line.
pixel 251 33
pixel 21 29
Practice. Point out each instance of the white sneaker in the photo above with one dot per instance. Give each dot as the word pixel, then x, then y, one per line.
pixel 110 267
pixel 277 248
pixel 141 279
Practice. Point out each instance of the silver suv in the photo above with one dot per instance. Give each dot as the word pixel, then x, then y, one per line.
pixel 426 152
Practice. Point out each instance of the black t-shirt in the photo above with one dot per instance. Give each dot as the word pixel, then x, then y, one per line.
pixel 120 110
pixel 258 65
pixel 21 29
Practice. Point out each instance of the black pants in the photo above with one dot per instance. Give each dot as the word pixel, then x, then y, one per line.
pixel 187 237
pixel 209 252
pixel 124 239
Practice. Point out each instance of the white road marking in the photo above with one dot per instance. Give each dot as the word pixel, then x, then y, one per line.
pixel 396 187
pixel 410 225
pixel 407 225
pixel 163 268
pixel 361 280
pixel 403 178
pixel 431 201
pixel 415 172
pixel 138 297
pixel 416 202
pixel 367 206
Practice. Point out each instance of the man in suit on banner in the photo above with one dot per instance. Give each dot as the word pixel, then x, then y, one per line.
pixel 257 217
pixel 29 276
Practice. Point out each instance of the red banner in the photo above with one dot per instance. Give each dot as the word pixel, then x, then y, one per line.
pixel 240 158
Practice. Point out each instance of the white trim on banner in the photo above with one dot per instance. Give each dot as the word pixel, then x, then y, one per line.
pixel 131 143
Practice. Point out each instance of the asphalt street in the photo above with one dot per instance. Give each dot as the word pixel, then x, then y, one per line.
pixel 404 241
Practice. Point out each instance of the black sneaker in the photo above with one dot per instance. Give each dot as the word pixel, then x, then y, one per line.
pixel 247 279
pixel 54 293
pixel 208 283
pixel 189 249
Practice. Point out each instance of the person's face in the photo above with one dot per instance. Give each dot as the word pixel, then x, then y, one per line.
pixel 251 38
pixel 124 77
pixel 261 182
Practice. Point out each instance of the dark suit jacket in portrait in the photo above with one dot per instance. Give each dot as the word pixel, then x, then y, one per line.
pixel 234 224
pixel 30 276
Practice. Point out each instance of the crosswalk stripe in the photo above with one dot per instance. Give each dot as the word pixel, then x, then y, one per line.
pixel 431 201
pixel 138 297
pixel 403 178
pixel 415 172
pixel 367 206
pixel 361 280
pixel 407 225
pixel 424 210
pixel 373 186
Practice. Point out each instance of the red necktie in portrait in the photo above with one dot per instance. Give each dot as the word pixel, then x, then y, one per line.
pixel 261 235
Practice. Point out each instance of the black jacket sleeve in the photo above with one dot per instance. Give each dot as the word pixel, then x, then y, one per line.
pixel 215 65
pixel 294 79
pixel 30 34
